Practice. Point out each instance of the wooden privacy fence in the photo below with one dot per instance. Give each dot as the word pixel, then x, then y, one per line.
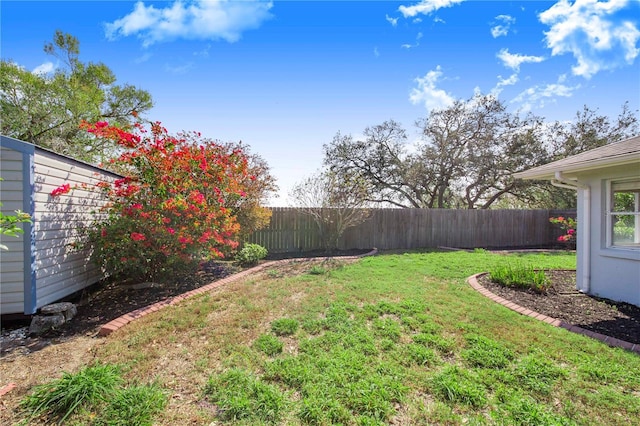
pixel 387 229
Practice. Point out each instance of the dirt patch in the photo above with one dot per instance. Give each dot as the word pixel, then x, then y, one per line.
pixel 564 302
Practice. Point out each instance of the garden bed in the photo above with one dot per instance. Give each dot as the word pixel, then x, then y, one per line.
pixel 562 301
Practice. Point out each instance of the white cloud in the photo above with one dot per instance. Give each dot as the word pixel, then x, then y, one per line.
pixel 502 82
pixel 592 33
pixel 427 93
pixel 198 19
pixel 425 7
pixel 376 52
pixel 392 21
pixel 417 43
pixel 46 68
pixel 540 95
pixel 514 60
pixel 502 29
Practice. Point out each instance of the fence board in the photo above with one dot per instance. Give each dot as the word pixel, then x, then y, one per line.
pixel 387 229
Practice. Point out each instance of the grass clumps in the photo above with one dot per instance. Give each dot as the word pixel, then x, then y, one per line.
pixel 268 344
pixel 135 405
pixel 240 395
pixel 519 276
pixel 96 393
pixel 284 326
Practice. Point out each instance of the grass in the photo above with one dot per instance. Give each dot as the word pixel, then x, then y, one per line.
pixel 520 276
pixel 94 394
pixel 397 338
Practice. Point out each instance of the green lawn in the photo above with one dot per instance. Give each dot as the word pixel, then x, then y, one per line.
pixel 395 338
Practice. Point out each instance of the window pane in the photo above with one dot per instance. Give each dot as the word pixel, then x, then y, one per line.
pixel 624 202
pixel 624 230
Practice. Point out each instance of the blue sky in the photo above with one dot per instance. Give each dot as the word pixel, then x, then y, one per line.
pixel 285 76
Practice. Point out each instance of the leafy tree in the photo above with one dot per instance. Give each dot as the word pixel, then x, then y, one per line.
pixel 468 154
pixel 471 149
pixel 334 203
pixel 47 109
pixel 387 172
pixel 259 184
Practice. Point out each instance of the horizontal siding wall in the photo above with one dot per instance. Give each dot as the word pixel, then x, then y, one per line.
pixel 12 260
pixel 388 229
pixel 60 269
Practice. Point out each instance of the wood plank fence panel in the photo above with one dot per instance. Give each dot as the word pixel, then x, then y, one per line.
pixel 387 229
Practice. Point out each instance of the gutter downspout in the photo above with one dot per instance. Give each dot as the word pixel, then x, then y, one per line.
pixel 584 283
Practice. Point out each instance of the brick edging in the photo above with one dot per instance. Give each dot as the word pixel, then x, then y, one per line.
pixel 125 319
pixel 611 341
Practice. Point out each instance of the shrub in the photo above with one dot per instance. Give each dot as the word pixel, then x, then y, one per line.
pixel 520 276
pixel 569 226
pixel 175 206
pixel 251 254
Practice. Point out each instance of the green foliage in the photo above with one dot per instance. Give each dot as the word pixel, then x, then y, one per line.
pixel 61 398
pixel 268 344
pixel 47 109
pixel 133 406
pixel 240 395
pixel 284 326
pixel 251 254
pixel 526 277
pixel 9 223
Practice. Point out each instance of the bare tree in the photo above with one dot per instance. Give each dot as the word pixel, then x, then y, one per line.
pixel 335 204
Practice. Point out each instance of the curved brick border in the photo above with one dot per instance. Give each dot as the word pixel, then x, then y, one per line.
pixel 611 341
pixel 125 319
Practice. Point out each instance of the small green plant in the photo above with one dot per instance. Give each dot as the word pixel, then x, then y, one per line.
pixel 9 224
pixel 268 344
pixel 251 254
pixel 134 406
pixel 317 270
pixel 284 326
pixel 520 276
pixel 62 397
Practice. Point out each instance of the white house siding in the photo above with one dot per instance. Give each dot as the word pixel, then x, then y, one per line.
pixel 12 262
pixel 60 269
pixel 614 272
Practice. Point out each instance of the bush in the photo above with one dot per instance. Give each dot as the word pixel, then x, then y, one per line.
pixel 251 254
pixel 159 218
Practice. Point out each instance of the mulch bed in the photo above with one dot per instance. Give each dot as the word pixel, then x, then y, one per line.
pixel 564 302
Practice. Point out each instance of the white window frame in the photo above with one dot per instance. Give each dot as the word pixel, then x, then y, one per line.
pixel 634 185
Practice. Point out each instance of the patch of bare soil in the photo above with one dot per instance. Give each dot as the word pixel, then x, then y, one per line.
pixel 562 301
